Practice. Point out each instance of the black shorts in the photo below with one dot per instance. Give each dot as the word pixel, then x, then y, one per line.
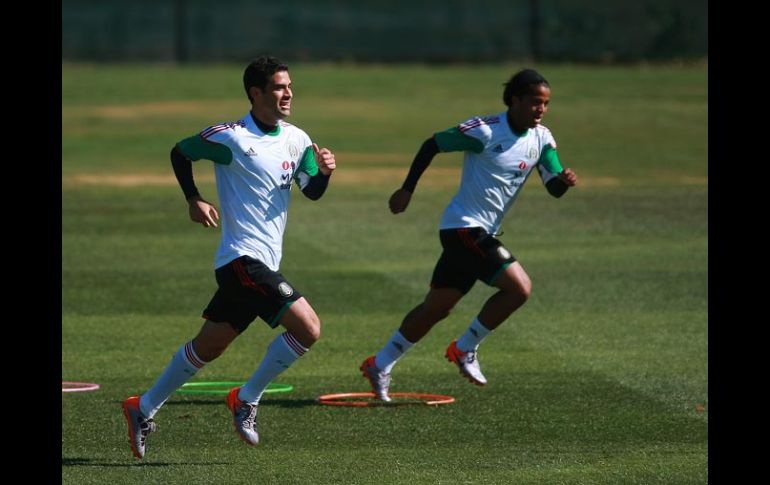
pixel 469 254
pixel 248 289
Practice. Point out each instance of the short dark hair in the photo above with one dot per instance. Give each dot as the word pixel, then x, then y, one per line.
pixel 520 83
pixel 260 70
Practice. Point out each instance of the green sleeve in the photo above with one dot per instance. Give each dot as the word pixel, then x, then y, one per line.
pixel 307 163
pixel 452 140
pixel 550 160
pixel 196 148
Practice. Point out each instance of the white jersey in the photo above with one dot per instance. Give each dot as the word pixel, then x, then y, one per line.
pixel 254 172
pixel 493 177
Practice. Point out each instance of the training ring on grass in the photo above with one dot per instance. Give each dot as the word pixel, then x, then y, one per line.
pixel 354 399
pixel 223 387
pixel 67 386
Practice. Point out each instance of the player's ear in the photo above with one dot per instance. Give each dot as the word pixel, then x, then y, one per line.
pixel 255 93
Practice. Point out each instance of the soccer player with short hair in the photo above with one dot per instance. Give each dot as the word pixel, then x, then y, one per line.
pixel 500 152
pixel 256 159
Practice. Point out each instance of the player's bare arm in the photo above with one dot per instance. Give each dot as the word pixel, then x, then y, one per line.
pixel 400 199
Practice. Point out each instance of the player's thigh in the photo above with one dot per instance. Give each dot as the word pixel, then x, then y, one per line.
pixel 302 321
pixel 514 280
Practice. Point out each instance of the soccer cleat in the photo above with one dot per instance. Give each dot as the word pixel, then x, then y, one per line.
pixel 379 380
pixel 138 426
pixel 467 362
pixel 244 417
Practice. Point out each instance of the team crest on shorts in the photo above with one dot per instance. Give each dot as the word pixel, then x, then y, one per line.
pixel 285 289
pixel 503 253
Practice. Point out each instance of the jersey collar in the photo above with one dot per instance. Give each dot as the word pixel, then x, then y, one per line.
pixel 510 126
pixel 266 129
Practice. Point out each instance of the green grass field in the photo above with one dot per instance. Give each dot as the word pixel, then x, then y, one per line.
pixel 601 378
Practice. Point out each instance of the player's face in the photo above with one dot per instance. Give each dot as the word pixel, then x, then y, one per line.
pixel 275 102
pixel 528 111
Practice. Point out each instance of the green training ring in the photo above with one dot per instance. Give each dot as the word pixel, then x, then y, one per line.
pixel 210 387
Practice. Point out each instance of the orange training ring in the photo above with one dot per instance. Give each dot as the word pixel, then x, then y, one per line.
pixel 342 399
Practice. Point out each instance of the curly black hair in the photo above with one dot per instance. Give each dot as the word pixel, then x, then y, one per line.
pixel 520 83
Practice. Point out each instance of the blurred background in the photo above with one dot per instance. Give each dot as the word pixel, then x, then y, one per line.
pixel 601 31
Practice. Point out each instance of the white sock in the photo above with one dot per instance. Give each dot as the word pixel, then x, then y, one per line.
pixel 472 337
pixel 184 364
pixel 281 354
pixel 393 350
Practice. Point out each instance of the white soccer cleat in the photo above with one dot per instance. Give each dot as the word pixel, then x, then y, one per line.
pixel 379 380
pixel 467 362
pixel 138 426
pixel 244 417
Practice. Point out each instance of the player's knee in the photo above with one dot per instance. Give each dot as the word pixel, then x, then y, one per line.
pixel 311 331
pixel 314 331
pixel 525 291
pixel 519 293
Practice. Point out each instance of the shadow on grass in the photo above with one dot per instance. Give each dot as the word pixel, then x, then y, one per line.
pixel 94 463
pixel 219 401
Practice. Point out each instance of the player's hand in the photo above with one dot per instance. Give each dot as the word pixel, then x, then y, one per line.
pixel 202 212
pixel 325 160
pixel 568 177
pixel 399 201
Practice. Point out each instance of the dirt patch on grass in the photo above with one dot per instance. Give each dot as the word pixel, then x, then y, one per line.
pixel 434 177
pixel 125 180
pixel 154 110
pixel 369 176
pixel 694 180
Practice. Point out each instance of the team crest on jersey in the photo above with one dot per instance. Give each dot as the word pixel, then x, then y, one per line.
pixel 523 165
pixel 293 150
pixel 285 289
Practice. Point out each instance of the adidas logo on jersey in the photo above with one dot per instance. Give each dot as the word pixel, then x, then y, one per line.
pixel 498 148
pixel 250 152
